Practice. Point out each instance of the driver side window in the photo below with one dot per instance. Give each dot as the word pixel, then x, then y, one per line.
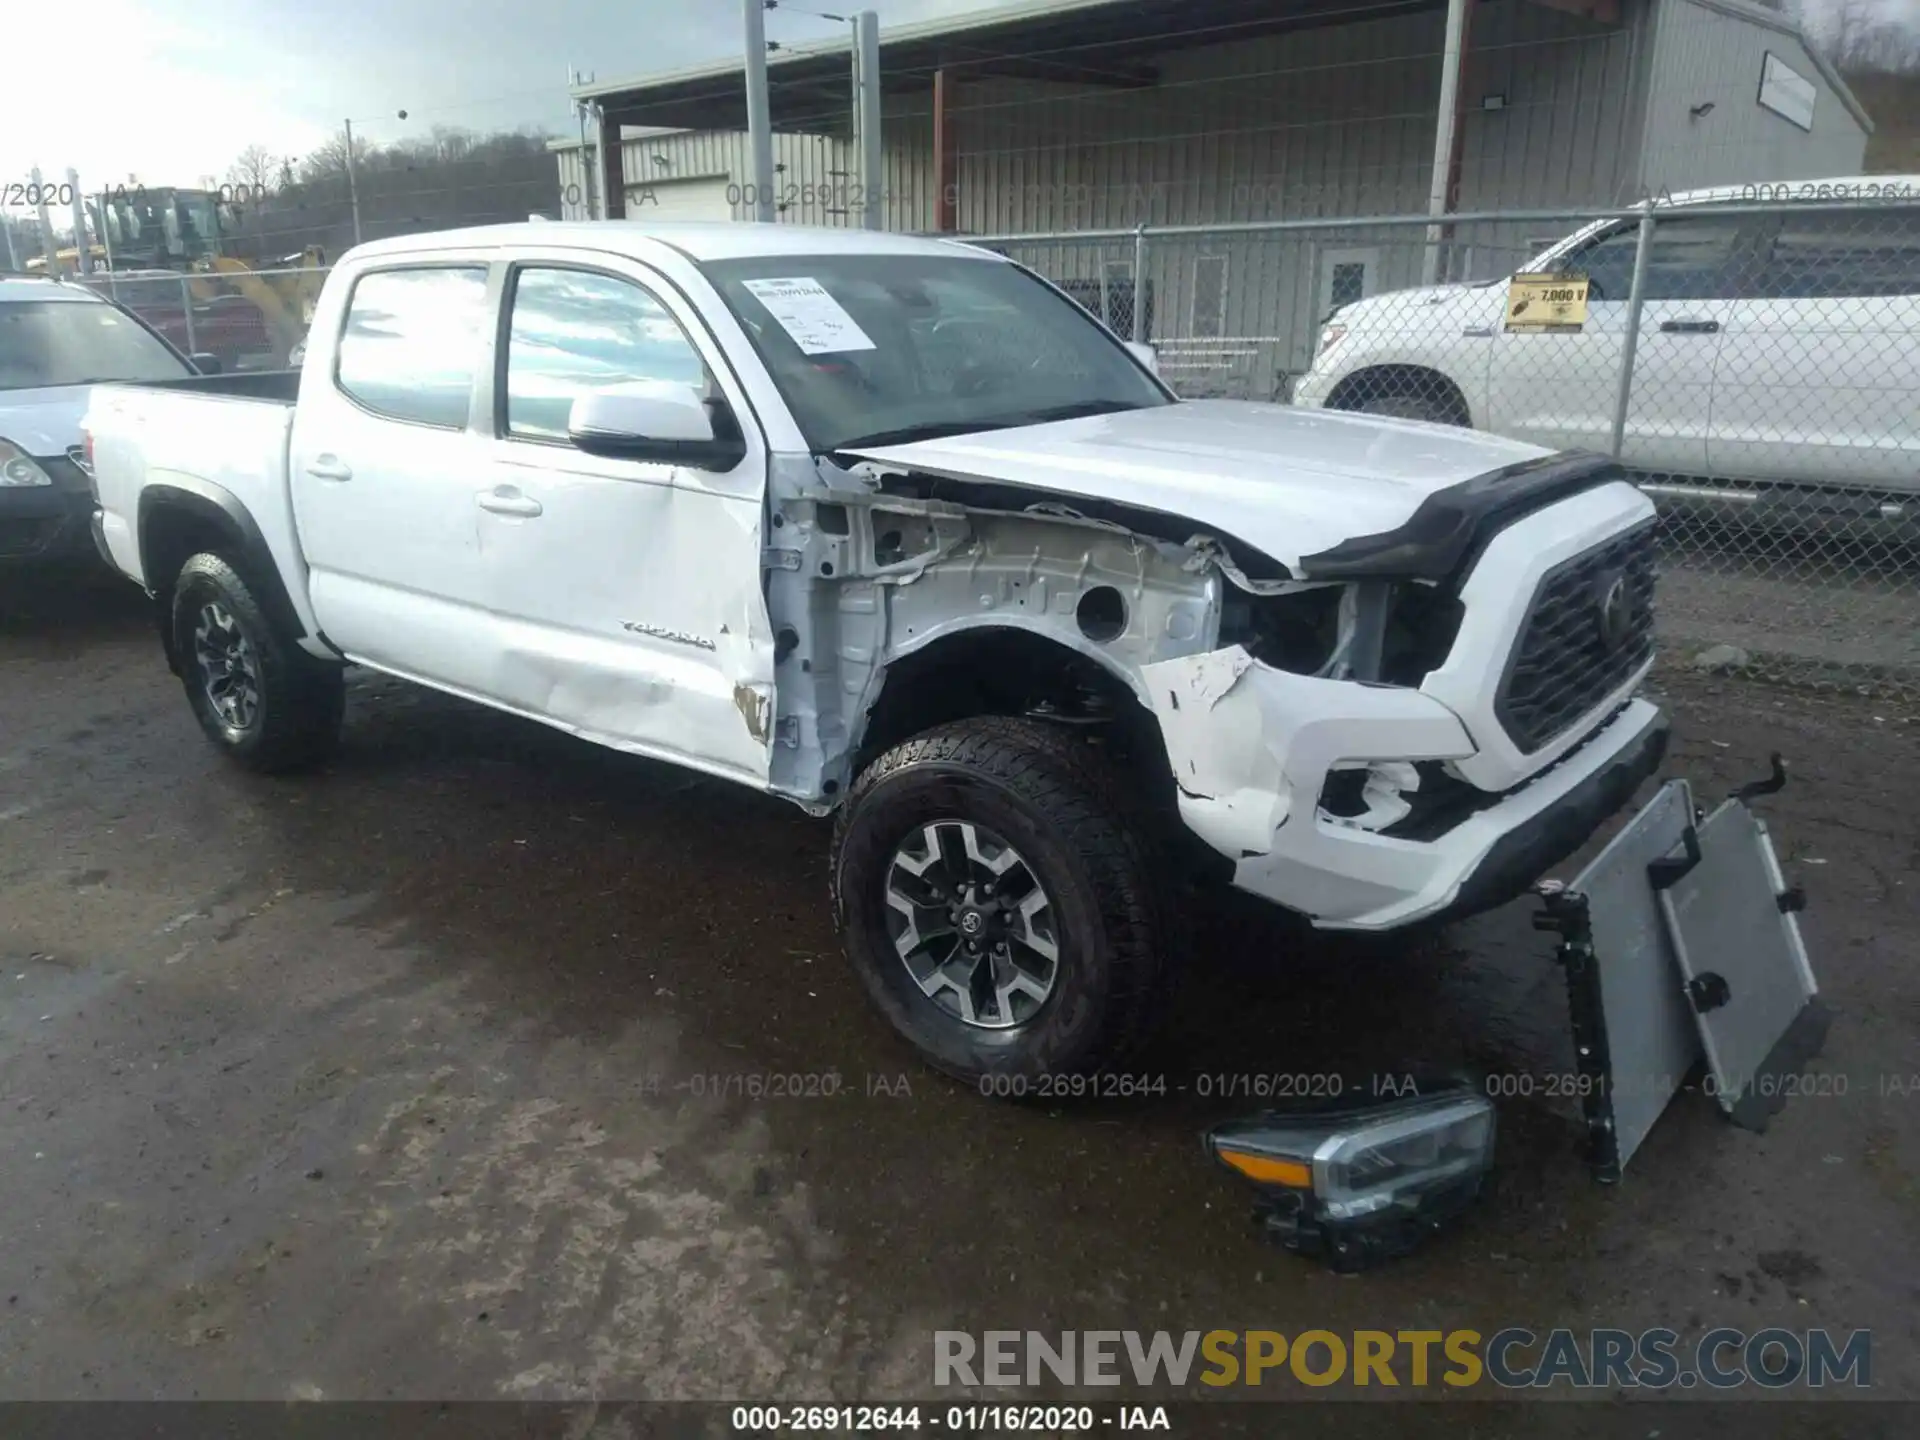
pixel 574 331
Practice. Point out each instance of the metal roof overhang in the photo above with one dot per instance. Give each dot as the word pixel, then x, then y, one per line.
pixel 1078 42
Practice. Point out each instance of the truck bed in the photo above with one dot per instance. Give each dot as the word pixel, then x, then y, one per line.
pixel 219 440
pixel 281 385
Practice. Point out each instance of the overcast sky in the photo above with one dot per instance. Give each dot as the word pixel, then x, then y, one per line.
pixel 171 90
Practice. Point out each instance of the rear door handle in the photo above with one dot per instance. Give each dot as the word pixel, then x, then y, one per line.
pixel 508 501
pixel 1690 327
pixel 329 467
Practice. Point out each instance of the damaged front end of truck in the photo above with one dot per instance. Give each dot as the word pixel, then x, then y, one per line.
pixel 1329 725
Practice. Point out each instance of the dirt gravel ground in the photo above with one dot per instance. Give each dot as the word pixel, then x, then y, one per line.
pixel 412 1079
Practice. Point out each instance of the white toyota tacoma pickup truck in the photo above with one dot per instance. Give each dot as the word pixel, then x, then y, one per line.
pixel 893 528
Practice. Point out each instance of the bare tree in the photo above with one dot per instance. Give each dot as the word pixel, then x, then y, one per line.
pixel 1860 36
pixel 329 159
pixel 256 169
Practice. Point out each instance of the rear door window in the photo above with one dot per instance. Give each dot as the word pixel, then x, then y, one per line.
pixel 412 342
pixel 1842 253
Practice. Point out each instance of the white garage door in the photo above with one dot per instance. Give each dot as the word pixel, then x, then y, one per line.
pixel 680 200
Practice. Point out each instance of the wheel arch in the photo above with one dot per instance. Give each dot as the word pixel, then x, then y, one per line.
pixel 184 515
pixel 1400 376
pixel 1015 666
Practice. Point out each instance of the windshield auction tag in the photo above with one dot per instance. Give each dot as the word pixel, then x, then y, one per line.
pixel 1547 303
pixel 815 320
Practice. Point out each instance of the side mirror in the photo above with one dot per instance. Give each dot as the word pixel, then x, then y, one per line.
pixel 206 362
pixel 659 421
pixel 1145 354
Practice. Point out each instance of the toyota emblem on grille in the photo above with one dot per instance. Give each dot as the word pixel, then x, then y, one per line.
pixel 1613 610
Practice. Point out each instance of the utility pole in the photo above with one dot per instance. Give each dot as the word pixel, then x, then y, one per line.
pixel 80 222
pixel 13 260
pixel 759 110
pixel 873 177
pixel 106 240
pixel 1446 134
pixel 596 198
pixel 48 246
pixel 590 159
pixel 353 185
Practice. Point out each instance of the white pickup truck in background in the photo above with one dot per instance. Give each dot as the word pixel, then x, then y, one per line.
pixel 892 528
pixel 1774 347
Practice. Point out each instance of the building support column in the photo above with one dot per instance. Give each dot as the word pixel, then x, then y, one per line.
pixel 759 110
pixel 873 150
pixel 1446 134
pixel 946 193
pixel 613 180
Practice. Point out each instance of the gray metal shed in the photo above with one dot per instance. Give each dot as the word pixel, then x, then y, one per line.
pixel 1073 114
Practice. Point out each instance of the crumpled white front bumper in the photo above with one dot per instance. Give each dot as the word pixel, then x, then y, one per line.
pixel 1251 748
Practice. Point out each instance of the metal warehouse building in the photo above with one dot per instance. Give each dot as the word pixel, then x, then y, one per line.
pixel 1068 116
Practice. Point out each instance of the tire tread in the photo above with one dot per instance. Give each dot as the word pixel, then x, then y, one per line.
pixel 304 698
pixel 1076 791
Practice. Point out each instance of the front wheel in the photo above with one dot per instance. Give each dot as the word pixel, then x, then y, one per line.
pixel 1003 902
pixel 1402 396
pixel 258 697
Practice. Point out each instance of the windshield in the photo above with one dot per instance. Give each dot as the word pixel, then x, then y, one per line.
pixel 885 349
pixel 68 342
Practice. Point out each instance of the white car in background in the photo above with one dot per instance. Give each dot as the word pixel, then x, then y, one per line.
pixel 56 342
pixel 1774 347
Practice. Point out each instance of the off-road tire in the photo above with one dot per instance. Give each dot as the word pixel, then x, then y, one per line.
pixel 301 700
pixel 1091 844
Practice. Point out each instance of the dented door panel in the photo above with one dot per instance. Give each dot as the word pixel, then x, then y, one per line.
pixel 625 594
pixel 625 611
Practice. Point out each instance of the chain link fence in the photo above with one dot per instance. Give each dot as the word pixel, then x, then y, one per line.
pixel 1755 364
pixel 1754 361
pixel 246 319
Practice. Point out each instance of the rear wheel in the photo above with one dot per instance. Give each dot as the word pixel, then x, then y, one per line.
pixel 1003 900
pixel 257 695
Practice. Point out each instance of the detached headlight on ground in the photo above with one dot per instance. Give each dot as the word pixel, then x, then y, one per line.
pixel 1362 1183
pixel 19 470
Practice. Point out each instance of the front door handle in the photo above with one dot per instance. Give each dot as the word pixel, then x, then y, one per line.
pixel 330 467
pixel 1690 327
pixel 508 501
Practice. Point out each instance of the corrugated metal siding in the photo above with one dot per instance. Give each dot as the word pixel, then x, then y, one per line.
pixel 1331 121
pixel 1328 122
pixel 1705 54
pixel 815 176
pixel 573 183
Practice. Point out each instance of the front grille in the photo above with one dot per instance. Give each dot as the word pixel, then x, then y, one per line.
pixel 1574 649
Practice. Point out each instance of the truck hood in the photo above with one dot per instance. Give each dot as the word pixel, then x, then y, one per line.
pixel 1402 307
pixel 43 421
pixel 1288 482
